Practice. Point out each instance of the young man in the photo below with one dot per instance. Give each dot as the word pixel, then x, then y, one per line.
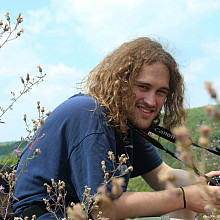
pixel 131 86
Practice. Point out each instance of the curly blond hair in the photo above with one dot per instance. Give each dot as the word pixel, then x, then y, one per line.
pixel 111 82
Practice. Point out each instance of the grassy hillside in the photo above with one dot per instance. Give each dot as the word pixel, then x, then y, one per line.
pixel 7 148
pixel 195 118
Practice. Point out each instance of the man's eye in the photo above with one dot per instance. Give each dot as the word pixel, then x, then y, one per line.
pixel 162 92
pixel 142 87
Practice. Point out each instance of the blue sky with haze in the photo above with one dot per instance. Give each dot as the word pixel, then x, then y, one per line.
pixel 70 37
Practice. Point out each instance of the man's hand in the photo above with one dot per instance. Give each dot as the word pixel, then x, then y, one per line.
pixel 202 198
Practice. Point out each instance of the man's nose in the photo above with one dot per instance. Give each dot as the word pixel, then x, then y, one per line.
pixel 150 99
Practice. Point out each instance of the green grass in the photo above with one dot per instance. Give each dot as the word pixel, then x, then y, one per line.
pixel 138 184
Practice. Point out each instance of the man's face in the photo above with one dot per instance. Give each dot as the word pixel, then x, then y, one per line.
pixel 151 89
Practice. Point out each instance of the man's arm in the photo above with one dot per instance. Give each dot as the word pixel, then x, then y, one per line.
pixel 137 204
pixel 181 177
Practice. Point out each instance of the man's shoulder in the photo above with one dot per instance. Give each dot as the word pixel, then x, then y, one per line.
pixel 82 100
pixel 78 102
pixel 78 106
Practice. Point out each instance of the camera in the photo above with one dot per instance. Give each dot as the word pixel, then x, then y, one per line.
pixel 217 180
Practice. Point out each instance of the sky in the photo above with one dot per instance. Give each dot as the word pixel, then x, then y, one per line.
pixel 69 38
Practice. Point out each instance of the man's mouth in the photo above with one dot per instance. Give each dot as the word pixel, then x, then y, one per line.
pixel 145 110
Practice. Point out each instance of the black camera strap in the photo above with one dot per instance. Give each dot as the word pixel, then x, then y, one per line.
pixel 166 134
pixel 153 141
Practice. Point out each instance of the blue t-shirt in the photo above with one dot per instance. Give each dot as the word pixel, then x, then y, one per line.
pixel 76 139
